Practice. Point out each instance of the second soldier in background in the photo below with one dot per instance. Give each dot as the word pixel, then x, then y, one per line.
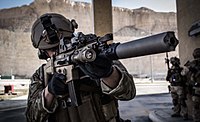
pixel 177 87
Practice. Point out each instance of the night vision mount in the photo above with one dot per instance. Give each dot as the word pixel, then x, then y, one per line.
pixel 50 30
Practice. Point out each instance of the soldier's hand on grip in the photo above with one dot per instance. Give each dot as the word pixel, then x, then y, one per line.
pixel 99 68
pixel 57 85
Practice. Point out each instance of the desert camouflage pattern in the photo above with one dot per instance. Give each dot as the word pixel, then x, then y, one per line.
pixel 178 90
pixel 178 98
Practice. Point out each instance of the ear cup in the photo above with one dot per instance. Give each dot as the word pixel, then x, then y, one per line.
pixel 42 55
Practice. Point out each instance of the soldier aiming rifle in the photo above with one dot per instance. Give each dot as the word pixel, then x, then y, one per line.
pixel 83 80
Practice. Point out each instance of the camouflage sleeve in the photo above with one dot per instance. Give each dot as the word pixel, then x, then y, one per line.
pixel 126 87
pixel 36 110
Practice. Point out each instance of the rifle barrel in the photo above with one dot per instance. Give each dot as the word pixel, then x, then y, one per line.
pixel 159 43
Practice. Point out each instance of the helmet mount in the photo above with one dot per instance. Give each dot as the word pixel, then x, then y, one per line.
pixel 50 30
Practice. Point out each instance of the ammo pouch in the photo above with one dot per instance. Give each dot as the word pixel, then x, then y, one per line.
pixel 95 107
pixel 110 110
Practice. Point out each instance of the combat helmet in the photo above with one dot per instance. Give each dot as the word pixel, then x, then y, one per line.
pixel 196 53
pixel 48 29
pixel 174 61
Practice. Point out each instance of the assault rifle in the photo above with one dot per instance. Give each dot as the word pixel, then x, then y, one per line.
pixel 167 60
pixel 85 48
pixel 168 68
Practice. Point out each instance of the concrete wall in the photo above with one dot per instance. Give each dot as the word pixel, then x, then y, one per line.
pixel 103 23
pixel 188 12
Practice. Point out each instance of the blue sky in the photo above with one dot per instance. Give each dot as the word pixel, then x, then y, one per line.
pixel 156 5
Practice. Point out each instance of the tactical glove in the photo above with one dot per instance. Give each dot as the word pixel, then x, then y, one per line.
pixel 100 67
pixel 57 85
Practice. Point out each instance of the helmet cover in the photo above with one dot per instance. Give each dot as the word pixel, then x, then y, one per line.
pixel 60 25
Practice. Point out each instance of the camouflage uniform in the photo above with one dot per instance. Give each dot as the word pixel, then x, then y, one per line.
pixel 99 102
pixel 193 76
pixel 178 93
pixel 194 86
